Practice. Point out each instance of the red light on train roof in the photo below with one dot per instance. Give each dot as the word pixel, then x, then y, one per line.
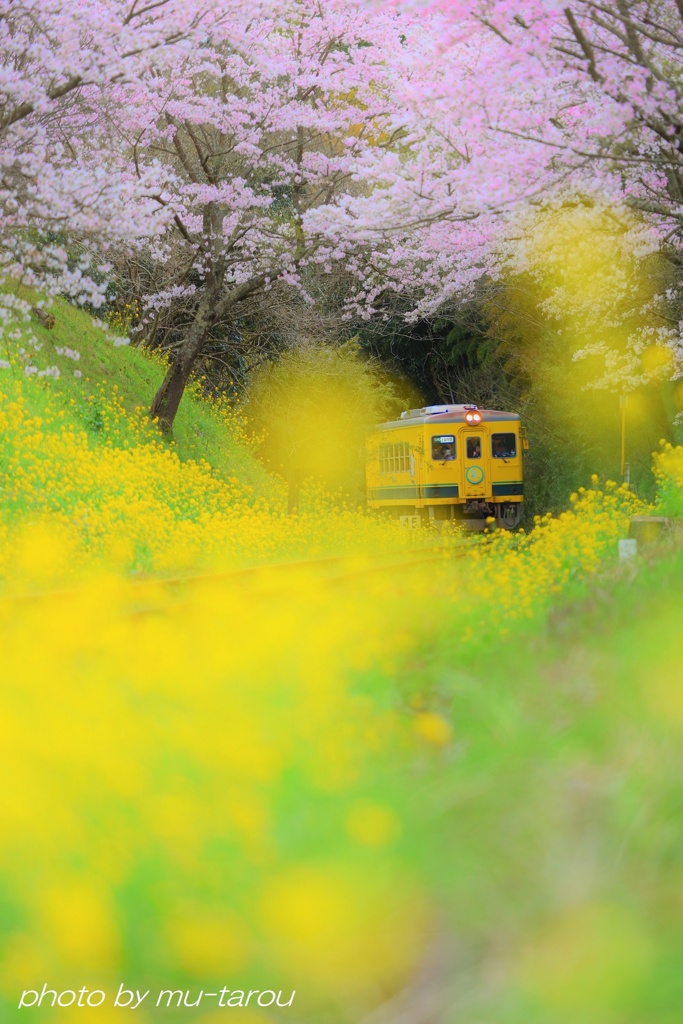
pixel 473 417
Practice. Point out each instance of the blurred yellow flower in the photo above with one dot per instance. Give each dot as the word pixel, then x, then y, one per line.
pixel 372 824
pixel 433 728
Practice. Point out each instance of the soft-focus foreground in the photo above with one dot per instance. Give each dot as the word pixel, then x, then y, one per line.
pixel 409 776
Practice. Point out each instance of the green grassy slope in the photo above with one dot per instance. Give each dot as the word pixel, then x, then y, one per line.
pixel 200 432
pixel 555 831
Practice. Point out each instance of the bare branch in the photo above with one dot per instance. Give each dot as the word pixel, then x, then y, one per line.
pixel 585 45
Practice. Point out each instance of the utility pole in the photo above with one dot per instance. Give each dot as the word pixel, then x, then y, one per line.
pixel 625 467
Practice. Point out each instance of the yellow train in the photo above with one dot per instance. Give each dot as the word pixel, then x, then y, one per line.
pixel 449 462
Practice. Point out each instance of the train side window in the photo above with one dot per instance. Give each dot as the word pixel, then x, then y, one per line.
pixel 443 448
pixel 473 447
pixel 400 450
pixel 394 458
pixel 503 446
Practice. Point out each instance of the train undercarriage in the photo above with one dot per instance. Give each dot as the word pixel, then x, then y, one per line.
pixel 472 515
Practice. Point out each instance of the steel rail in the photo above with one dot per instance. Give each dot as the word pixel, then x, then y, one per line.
pixel 140 583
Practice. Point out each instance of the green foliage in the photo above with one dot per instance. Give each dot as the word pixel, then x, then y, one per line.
pixel 449 359
pixel 557 811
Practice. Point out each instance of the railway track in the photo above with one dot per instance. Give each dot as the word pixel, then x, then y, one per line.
pixel 274 577
pixel 271 580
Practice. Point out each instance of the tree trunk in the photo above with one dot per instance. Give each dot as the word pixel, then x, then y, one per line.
pixel 167 399
pixel 211 309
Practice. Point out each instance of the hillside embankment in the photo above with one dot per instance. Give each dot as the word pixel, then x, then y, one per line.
pixel 452 777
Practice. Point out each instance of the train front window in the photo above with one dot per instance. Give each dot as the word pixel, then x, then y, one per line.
pixel 443 448
pixel 504 446
pixel 473 447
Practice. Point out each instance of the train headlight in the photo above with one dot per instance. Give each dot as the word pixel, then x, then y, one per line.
pixel 473 417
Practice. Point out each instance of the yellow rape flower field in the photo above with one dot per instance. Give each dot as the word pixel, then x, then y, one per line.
pixel 269 755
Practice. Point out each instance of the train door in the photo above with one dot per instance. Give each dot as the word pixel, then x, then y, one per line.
pixel 476 472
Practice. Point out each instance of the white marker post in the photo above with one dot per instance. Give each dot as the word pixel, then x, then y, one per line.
pixel 628 549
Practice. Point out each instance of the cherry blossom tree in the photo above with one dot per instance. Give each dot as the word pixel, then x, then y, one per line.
pixel 277 117
pixel 530 106
pixel 537 97
pixel 58 177
pixel 404 141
